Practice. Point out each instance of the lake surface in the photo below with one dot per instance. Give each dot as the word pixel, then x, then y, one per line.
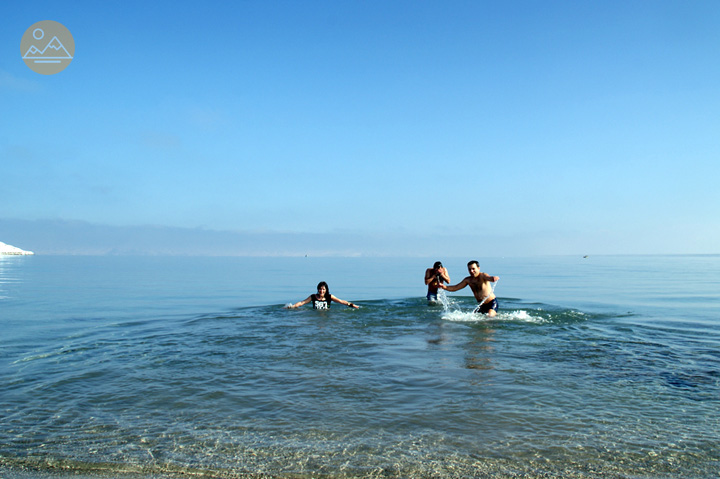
pixel 605 366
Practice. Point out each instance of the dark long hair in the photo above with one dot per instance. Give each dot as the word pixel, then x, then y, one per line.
pixel 327 288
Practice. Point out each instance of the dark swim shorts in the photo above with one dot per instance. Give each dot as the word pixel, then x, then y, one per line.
pixel 487 306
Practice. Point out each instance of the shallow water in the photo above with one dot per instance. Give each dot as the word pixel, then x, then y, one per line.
pixel 187 366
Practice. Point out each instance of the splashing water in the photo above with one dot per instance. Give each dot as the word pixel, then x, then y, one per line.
pixel 442 297
pixel 470 317
pixel 452 312
pixel 455 314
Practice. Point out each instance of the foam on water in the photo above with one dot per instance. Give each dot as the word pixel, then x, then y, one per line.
pixel 468 316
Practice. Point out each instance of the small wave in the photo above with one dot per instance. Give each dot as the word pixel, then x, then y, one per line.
pixel 35 357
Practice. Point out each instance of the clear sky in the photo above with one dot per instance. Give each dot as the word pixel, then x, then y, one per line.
pixel 512 127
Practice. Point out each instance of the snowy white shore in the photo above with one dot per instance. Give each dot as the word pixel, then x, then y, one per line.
pixel 9 249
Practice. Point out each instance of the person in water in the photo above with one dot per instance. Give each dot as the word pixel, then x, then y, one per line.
pixel 479 282
pixel 433 278
pixel 322 299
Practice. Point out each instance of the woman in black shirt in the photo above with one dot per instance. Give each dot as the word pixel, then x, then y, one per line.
pixel 322 299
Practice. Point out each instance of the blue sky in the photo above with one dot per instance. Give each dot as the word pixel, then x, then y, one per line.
pixel 518 127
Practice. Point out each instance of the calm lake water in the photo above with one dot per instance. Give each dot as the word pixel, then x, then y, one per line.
pixel 605 366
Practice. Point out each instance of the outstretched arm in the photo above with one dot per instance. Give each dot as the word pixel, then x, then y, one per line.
pixel 456 287
pixel 298 304
pixel 342 301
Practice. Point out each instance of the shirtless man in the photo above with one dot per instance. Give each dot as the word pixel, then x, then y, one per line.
pixel 479 282
pixel 434 276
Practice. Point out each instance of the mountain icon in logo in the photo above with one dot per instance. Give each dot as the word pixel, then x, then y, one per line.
pixel 54 50
pixel 43 56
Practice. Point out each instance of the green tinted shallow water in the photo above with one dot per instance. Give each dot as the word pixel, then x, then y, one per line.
pixel 158 368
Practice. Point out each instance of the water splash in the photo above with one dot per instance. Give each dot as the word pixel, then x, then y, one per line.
pixel 443 299
pixel 520 315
